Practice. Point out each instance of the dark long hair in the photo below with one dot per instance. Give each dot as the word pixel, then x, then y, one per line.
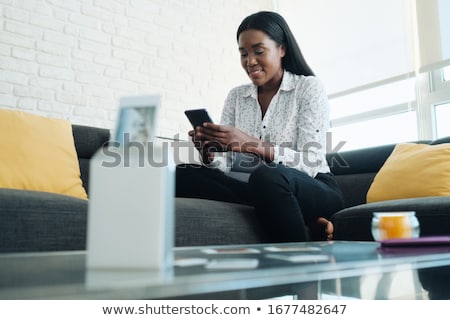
pixel 277 29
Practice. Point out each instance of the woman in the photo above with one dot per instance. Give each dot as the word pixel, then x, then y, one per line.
pixel 283 117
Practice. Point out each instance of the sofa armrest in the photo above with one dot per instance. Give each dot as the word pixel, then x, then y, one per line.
pixel 87 141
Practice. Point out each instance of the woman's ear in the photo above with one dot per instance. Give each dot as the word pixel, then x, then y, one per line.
pixel 282 49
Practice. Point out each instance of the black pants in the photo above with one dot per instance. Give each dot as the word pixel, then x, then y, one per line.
pixel 285 199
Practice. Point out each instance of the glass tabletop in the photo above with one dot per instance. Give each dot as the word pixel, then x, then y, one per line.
pixel 220 272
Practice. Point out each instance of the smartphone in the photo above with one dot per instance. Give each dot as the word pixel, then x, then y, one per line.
pixel 197 117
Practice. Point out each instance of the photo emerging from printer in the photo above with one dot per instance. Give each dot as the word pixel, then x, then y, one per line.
pixel 135 124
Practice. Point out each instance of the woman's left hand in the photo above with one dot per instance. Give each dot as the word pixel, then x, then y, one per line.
pixel 233 139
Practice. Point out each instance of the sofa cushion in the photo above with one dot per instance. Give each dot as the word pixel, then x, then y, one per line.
pixel 209 222
pixel 412 171
pixel 38 153
pixel 359 161
pixel 354 187
pixel 41 221
pixel 355 223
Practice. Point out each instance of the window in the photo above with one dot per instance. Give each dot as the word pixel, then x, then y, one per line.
pixel 433 38
pixel 368 100
pixel 446 73
pixel 442 115
pixel 363 55
pixel 439 100
pixel 358 118
pixel 378 131
pixel 440 79
pixel 352 43
pixel 387 72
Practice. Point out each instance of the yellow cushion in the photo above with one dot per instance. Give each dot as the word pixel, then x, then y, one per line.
pixel 38 153
pixel 413 171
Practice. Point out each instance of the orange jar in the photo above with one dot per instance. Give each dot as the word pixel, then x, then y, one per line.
pixel 392 225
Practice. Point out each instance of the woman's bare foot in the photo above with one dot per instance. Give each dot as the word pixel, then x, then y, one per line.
pixel 321 229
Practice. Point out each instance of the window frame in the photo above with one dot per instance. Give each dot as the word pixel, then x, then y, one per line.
pixel 441 88
pixel 431 90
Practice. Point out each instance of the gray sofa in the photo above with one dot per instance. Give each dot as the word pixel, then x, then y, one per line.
pixel 39 221
pixel 355 171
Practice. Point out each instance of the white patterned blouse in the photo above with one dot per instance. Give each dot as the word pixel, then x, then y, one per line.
pixel 296 121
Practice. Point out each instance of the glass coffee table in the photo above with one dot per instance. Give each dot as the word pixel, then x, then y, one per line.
pixel 313 270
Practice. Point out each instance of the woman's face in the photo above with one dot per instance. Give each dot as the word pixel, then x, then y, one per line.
pixel 261 58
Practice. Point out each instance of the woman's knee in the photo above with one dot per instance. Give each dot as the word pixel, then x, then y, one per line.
pixel 263 175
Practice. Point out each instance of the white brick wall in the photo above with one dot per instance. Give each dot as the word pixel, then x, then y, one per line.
pixel 73 59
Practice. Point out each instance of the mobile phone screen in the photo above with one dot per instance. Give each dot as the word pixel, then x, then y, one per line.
pixel 198 116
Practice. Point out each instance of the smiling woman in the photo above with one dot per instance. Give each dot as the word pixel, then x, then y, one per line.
pixel 261 58
pixel 282 116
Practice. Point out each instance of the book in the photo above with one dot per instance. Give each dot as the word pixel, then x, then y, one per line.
pixel 427 244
